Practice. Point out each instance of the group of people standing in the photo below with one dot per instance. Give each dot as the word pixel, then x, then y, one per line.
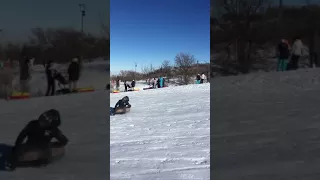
pixel 200 79
pixel 156 82
pixel 127 85
pixel 285 51
pixel 53 74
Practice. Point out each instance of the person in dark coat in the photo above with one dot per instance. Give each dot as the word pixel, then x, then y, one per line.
pixel 125 86
pixel 158 83
pixel 74 73
pixel 122 106
pixel 25 75
pixel 198 78
pixel 133 84
pixel 50 73
pixel 118 84
pixel 38 135
pixel 283 55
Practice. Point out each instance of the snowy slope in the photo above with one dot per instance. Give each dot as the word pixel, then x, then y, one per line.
pixel 266 126
pixel 83 122
pixel 166 135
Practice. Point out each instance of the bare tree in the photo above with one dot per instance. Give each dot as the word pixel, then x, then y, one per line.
pixel 185 63
pixel 166 68
pixel 146 70
pixel 239 20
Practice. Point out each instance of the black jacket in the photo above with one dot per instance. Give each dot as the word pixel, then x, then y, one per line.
pixel 133 84
pixel 74 71
pixel 40 136
pixel 24 70
pixel 122 104
pixel 283 50
pixel 49 72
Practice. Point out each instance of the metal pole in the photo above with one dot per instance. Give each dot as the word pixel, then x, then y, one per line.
pixel 280 8
pixel 135 70
pixel 83 13
pixel 82 24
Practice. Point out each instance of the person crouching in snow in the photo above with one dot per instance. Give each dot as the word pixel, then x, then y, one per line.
pixel 34 145
pixel 74 73
pixel 121 107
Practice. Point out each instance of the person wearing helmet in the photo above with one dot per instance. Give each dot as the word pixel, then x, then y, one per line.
pixel 38 148
pixel 122 106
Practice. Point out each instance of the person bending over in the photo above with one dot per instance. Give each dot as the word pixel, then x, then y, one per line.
pixel 38 148
pixel 122 105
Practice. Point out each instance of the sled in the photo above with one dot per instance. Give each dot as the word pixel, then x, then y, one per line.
pixel 20 95
pixel 148 88
pixel 115 91
pixel 85 89
pixel 118 111
pixel 32 157
pixel 133 89
pixel 63 91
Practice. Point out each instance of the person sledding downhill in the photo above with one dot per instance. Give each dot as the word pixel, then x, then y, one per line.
pixel 121 107
pixel 39 150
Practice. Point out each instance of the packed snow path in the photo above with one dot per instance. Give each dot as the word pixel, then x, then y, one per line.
pixel 266 126
pixel 84 122
pixel 164 136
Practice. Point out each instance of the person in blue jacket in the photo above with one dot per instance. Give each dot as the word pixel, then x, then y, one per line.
pixel 161 82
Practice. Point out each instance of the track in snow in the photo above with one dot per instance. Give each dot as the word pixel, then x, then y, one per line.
pixel 164 136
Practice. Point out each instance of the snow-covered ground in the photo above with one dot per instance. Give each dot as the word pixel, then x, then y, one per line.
pixel 166 135
pixel 84 122
pixel 94 74
pixel 266 126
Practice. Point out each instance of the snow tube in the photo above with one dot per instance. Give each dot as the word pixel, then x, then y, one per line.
pixel 118 111
pixel 85 89
pixel 20 95
pixel 31 156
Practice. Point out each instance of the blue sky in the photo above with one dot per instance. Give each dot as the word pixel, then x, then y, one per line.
pixel 18 17
pixel 151 31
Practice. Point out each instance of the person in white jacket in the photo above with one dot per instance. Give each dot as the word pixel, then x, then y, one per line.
pixel 297 52
pixel 203 78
